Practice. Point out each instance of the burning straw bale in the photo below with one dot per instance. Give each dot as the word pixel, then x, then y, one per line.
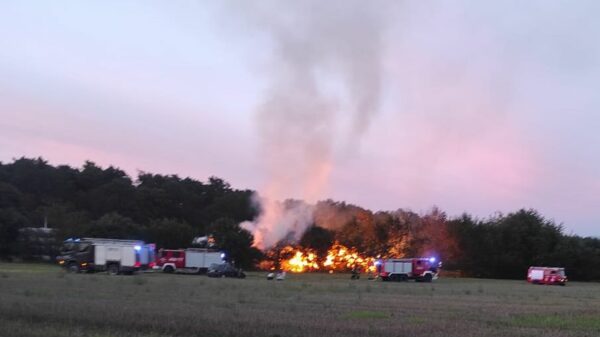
pixel 298 259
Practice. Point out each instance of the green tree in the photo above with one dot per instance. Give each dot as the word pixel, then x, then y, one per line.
pixel 11 221
pixel 236 242
pixel 114 226
pixel 67 221
pixel 170 233
pixel 10 196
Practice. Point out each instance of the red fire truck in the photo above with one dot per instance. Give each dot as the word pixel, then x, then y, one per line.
pixel 419 269
pixel 547 275
pixel 191 260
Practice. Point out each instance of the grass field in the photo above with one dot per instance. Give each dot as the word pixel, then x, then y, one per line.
pixel 41 300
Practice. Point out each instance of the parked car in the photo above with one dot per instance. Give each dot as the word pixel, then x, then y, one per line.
pixel 224 270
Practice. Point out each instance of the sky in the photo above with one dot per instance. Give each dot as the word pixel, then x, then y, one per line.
pixel 471 106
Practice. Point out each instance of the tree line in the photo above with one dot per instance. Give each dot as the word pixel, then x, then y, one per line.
pixel 501 246
pixel 105 202
pixel 170 210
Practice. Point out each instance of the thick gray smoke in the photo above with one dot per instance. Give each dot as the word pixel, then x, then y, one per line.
pixel 323 81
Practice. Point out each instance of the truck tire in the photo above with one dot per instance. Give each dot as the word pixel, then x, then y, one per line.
pixel 168 269
pixel 394 278
pixel 427 278
pixel 112 269
pixel 403 278
pixel 73 268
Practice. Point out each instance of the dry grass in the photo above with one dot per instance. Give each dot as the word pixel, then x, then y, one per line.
pixel 40 300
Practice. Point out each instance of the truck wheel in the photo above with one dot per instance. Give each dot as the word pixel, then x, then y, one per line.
pixel 73 268
pixel 403 278
pixel 112 269
pixel 394 278
pixel 427 278
pixel 168 269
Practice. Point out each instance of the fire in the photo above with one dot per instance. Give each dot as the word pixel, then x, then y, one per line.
pixel 298 259
pixel 292 259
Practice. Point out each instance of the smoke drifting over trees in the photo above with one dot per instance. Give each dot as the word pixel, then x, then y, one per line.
pixel 326 61
pixel 456 88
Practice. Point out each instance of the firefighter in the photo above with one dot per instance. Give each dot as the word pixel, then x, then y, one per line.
pixel 355 273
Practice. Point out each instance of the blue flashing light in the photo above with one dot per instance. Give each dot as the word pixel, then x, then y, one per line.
pixel 377 263
pixel 432 259
pixel 222 255
pixel 137 247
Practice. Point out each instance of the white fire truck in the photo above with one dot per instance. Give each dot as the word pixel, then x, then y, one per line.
pixel 418 269
pixel 191 260
pixel 111 255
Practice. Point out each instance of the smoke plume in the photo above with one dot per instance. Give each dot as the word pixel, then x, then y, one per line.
pixel 324 81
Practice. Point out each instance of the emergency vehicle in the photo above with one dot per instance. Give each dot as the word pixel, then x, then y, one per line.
pixel 547 275
pixel 111 255
pixel 190 260
pixel 419 269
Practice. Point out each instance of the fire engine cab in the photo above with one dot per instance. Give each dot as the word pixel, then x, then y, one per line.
pixel 547 275
pixel 191 260
pixel 418 269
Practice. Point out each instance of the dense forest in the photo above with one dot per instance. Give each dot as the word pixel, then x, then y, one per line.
pixel 170 211
pixel 97 202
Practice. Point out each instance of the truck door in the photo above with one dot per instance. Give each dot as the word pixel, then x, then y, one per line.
pixel 419 267
pixel 402 267
pixel 194 259
pixel 406 268
pixel 113 253
pixel 99 255
pixel 388 266
pixel 211 258
pixel 128 256
pixel 144 255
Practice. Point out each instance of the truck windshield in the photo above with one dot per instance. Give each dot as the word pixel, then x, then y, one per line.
pixel 67 247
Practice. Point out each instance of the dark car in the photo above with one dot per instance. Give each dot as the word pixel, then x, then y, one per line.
pixel 224 270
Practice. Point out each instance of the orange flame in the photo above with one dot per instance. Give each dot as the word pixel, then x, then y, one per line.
pixel 299 260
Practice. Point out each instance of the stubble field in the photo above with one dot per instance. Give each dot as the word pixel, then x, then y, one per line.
pixel 42 300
